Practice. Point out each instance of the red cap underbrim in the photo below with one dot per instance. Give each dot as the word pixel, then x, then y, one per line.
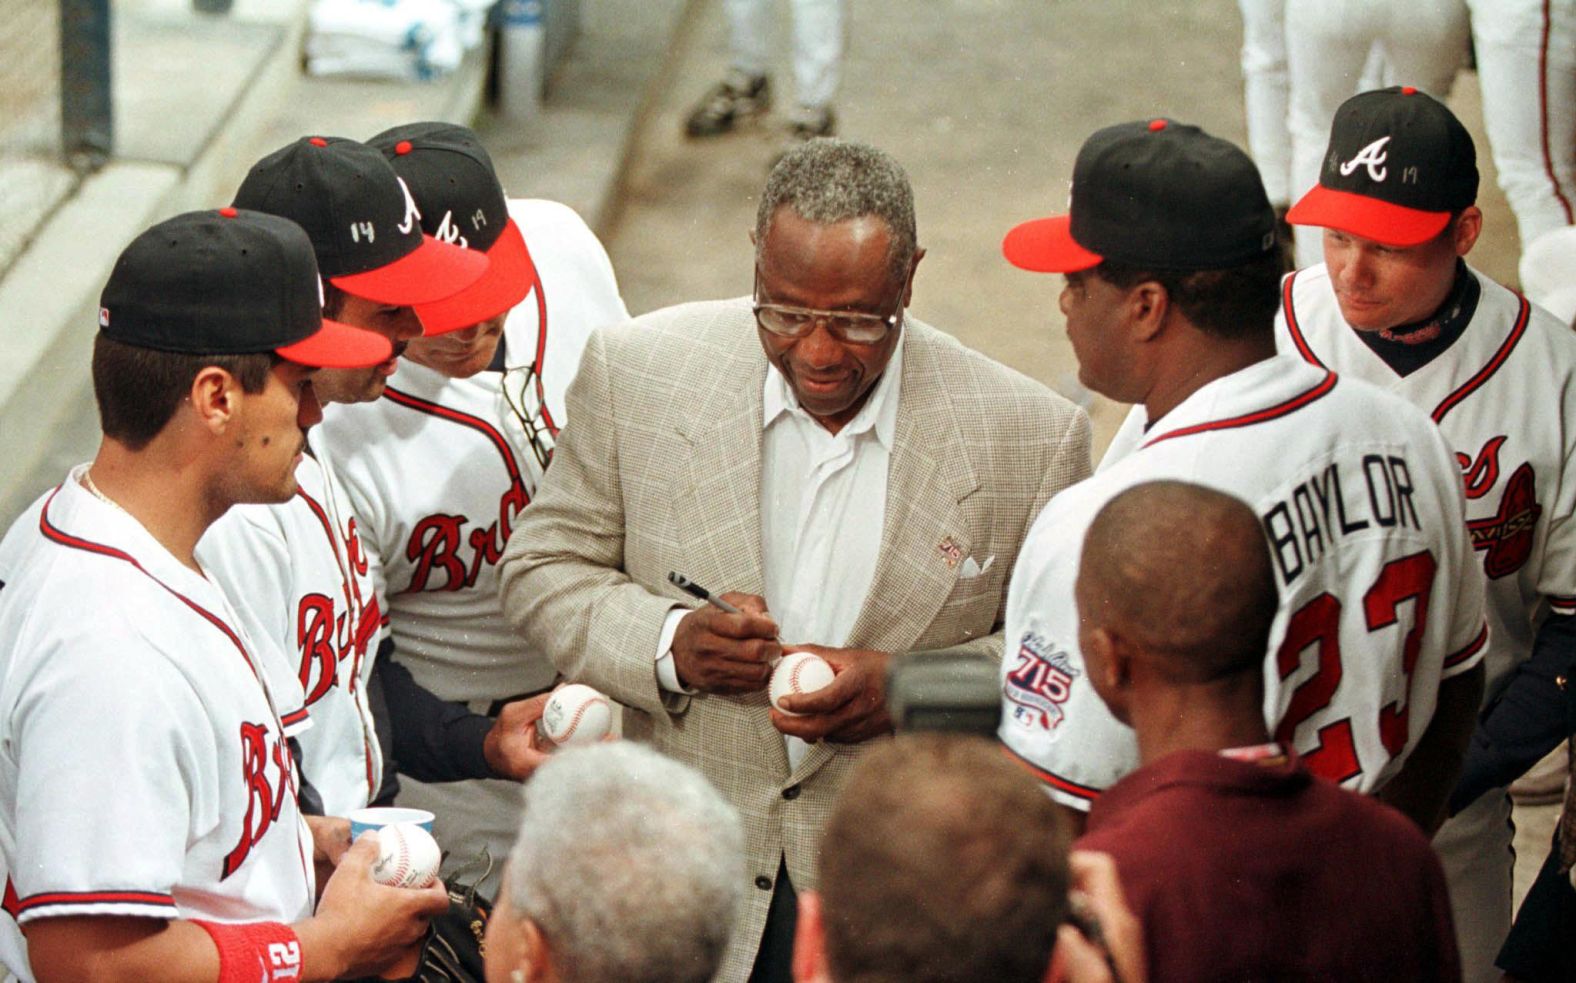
pixel 1045 245
pixel 432 272
pixel 1370 218
pixel 509 278
pixel 338 346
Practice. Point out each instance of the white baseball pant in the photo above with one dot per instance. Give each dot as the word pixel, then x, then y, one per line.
pixel 819 28
pixel 1475 848
pixel 1526 56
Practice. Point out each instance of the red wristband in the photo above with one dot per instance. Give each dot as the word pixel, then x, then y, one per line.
pixel 253 951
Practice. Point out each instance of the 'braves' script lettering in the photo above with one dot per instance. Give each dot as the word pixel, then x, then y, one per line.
pixel 260 755
pixel 436 545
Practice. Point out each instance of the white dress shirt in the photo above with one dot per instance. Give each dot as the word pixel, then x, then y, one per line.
pixel 823 503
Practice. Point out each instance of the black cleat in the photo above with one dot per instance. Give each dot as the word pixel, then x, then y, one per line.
pixel 737 97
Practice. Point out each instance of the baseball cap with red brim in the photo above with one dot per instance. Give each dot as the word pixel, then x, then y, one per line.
pixel 452 178
pixel 1155 195
pixel 1399 164
pixel 229 282
pixel 362 221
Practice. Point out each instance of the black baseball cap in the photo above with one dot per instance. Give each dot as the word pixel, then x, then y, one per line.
pixel 362 221
pixel 229 282
pixel 452 178
pixel 1153 194
pixel 1398 165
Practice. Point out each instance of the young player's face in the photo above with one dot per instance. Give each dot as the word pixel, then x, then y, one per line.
pixel 1093 310
pixel 270 434
pixel 1380 287
pixel 459 354
pixel 398 324
pixel 842 266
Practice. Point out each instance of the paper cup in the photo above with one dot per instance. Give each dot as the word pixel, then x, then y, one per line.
pixel 362 820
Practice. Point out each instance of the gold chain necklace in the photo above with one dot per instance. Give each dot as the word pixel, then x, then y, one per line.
pixel 87 482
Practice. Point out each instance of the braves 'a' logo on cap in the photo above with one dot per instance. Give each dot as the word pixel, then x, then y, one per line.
pixel 449 232
pixel 1040 681
pixel 1372 157
pixel 412 213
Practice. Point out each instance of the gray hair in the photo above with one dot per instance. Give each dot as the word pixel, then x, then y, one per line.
pixel 826 181
pixel 629 863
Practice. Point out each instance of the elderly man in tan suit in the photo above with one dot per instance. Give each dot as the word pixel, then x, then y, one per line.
pixel 857 481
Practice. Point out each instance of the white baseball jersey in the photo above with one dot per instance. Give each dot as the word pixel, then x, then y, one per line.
pixel 1504 396
pixel 143 769
pixel 297 573
pixel 437 470
pixel 1379 598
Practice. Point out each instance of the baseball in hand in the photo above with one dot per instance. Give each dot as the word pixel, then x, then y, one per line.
pixel 576 714
pixel 798 672
pixel 408 856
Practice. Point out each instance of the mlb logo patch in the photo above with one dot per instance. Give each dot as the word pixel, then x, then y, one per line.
pixel 103 317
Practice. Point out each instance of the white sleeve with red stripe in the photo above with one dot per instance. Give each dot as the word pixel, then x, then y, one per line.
pixel 1052 719
pixel 110 790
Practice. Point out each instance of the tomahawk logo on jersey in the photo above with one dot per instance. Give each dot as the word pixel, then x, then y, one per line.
pixel 1379 601
pixel 1510 368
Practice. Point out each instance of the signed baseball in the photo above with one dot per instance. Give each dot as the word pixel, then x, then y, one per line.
pixel 408 856
pixel 576 714
pixel 798 672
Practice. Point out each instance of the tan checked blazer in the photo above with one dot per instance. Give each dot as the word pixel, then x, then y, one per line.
pixel 659 469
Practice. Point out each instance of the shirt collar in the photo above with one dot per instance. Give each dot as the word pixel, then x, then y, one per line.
pixel 878 414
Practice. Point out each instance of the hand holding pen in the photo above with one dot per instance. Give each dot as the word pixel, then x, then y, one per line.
pixel 727 647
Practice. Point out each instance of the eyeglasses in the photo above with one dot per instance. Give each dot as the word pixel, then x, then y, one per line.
pixel 523 394
pixel 787 321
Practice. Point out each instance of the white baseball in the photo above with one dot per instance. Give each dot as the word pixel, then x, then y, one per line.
pixel 576 714
pixel 798 672
pixel 408 856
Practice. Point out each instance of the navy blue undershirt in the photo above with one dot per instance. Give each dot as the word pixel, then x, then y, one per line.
pixel 1407 356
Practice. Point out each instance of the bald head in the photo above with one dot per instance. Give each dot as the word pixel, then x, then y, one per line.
pixel 1182 573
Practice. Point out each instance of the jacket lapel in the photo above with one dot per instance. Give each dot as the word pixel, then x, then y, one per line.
pixel 718 496
pixel 924 535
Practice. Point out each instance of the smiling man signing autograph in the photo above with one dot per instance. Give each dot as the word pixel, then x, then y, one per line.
pixel 861 489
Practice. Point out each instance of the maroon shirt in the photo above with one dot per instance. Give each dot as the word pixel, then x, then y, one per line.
pixel 1245 871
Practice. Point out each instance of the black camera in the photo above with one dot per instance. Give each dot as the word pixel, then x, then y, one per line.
pixel 944 689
